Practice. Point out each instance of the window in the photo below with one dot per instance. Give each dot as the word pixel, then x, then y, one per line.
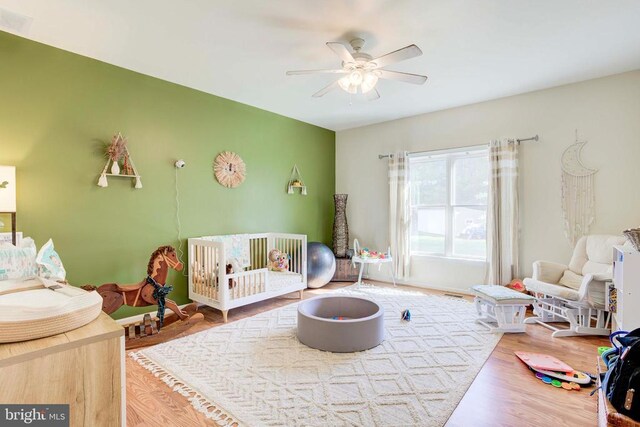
pixel 449 203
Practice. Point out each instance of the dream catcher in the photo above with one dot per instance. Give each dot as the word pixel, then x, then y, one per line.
pixel 578 199
pixel 229 169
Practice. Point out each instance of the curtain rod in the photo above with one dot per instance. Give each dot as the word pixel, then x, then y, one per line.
pixel 384 156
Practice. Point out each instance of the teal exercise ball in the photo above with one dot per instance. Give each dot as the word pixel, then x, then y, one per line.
pixel 321 264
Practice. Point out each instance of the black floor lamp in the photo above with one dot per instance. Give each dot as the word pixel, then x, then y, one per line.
pixel 8 196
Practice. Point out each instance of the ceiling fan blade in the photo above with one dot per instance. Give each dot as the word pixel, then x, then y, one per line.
pixel 300 72
pixel 372 95
pixel 326 89
pixel 415 79
pixel 403 54
pixel 341 51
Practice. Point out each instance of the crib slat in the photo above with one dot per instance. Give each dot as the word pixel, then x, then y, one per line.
pixel 201 274
pixel 216 279
pixel 214 289
pixel 220 272
pixel 202 282
pixel 208 262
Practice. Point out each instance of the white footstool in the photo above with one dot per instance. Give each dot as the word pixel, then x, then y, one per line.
pixel 501 309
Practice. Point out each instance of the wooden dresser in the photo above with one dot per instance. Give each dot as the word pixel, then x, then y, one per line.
pixel 83 368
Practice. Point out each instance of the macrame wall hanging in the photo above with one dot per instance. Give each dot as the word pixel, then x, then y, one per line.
pixel 116 153
pixel 578 199
pixel 295 181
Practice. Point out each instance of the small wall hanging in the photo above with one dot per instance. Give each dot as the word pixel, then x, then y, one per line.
pixel 578 200
pixel 295 181
pixel 229 169
pixel 117 152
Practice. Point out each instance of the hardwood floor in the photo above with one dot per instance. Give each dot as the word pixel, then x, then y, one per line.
pixel 505 392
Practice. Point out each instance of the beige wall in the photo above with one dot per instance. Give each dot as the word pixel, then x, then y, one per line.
pixel 605 111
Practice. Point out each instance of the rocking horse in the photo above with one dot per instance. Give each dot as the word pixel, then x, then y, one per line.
pixel 152 290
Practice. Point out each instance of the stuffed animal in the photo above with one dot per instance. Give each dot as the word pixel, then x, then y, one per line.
pixel 278 260
pixel 233 267
pixel 230 268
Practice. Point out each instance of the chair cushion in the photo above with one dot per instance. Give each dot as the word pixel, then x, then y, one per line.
pixel 599 247
pixel 605 271
pixel 592 254
pixel 571 280
pixel 551 290
pixel 501 294
pixel 579 256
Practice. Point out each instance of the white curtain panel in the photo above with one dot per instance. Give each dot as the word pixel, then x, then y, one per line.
pixel 399 215
pixel 502 213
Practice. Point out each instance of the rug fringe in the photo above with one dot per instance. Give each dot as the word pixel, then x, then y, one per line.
pixel 199 402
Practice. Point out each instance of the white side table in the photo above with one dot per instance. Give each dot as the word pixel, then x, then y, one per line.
pixel 357 259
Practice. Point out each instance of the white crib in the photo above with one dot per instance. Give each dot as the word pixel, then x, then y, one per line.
pixel 209 282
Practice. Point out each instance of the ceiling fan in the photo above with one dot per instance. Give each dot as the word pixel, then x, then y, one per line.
pixel 362 71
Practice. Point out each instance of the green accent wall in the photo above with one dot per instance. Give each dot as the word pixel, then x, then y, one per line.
pixel 57 111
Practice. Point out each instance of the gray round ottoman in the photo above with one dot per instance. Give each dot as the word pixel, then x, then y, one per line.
pixel 340 324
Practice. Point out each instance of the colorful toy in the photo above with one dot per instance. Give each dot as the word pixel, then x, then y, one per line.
pixel 517 285
pixel 366 253
pixel 557 383
pixel 406 315
pixel 575 376
pixel 557 373
pixel 278 260
pixel 339 318
pixel 603 349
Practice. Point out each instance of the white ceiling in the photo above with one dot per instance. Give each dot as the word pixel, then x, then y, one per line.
pixel 474 50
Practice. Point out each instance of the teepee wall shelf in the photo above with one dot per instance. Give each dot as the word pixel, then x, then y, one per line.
pixel 295 181
pixel 112 168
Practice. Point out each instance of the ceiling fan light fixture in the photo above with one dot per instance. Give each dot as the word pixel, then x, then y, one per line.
pixel 369 81
pixel 356 78
pixel 360 72
pixel 346 85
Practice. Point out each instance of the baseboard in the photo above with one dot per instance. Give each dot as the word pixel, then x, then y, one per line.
pixel 139 317
pixel 424 286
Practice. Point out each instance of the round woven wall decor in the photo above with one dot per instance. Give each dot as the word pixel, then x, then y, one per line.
pixel 229 169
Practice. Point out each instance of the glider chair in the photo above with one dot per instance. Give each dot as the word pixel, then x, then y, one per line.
pixel 575 293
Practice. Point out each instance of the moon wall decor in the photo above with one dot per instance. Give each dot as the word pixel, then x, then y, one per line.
pixel 572 162
pixel 578 200
pixel 229 169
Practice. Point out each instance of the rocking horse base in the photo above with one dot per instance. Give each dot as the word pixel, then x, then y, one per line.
pixel 146 333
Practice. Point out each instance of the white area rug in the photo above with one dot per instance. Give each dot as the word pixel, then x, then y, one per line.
pixel 255 372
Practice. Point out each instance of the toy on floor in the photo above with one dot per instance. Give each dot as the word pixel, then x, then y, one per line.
pixel 146 333
pixel 574 376
pixel 517 285
pixel 603 349
pixel 556 383
pixel 406 315
pixel 553 371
